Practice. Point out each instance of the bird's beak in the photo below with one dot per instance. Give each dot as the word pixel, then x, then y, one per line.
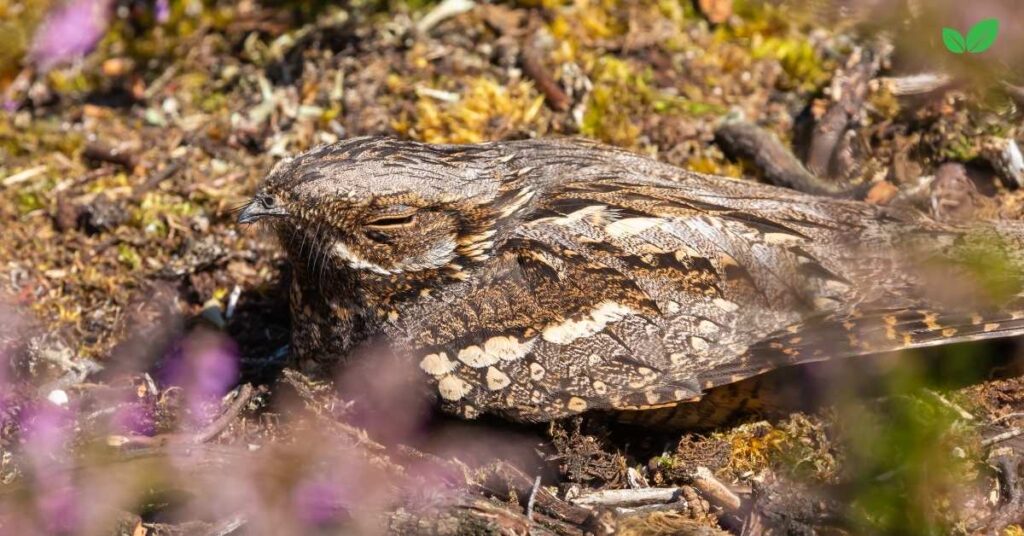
pixel 256 210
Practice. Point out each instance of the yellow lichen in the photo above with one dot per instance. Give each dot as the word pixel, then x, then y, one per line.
pixel 774 32
pixel 618 95
pixel 797 446
pixel 485 110
pixel 714 166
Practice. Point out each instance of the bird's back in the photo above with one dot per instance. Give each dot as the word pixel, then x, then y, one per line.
pixel 631 284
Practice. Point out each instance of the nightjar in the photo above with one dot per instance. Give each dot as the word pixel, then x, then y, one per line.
pixel 543 278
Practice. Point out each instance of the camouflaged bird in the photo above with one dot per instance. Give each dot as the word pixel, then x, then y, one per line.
pixel 543 278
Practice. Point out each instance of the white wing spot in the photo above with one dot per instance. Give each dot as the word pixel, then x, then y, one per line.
pixel 781 238
pixel 437 364
pixel 647 376
pixel 476 357
pixel 495 349
pixel 707 327
pixel 685 252
pixel 536 372
pixel 508 348
pixel 699 344
pixel 630 226
pixel 605 313
pixel 577 404
pixel 453 388
pixel 725 305
pixel 497 379
pixel 836 286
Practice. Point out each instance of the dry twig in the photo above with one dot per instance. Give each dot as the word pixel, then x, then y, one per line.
pixel 715 490
pixel 763 149
pixel 629 497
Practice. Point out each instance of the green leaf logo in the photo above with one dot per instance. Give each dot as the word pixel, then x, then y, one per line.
pixel 954 41
pixel 980 38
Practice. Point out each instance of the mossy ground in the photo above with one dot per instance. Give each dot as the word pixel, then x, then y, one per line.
pixel 111 258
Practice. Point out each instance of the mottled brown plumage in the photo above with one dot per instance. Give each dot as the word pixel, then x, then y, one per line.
pixel 539 279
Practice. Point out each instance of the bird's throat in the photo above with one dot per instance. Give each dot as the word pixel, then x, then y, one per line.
pixel 329 317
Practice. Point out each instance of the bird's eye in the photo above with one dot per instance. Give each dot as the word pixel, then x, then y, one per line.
pixel 393 220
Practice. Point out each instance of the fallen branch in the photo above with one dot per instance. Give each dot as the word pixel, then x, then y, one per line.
pixel 629 497
pixel 445 10
pixel 101 152
pixel 914 84
pixel 214 429
pixel 1007 417
pixel 746 141
pixel 503 480
pixel 534 67
pixel 715 490
pixel 960 412
pixel 533 499
pixel 849 90
pixel 999 438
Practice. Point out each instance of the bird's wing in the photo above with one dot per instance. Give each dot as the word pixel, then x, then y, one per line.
pixel 640 291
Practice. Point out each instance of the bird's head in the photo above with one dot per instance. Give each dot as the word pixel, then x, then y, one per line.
pixel 389 208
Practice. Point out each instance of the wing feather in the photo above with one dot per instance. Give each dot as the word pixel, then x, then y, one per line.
pixel 647 289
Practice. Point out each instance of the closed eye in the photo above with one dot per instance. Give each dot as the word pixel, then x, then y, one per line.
pixel 392 218
pixel 392 221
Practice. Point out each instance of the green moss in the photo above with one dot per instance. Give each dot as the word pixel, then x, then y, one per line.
pixel 127 255
pixel 616 94
pixel 28 201
pixel 622 96
pixel 798 447
pixel 151 215
pixel 213 102
pixel 485 110
pixel 799 59
pixel 961 148
pixel 780 33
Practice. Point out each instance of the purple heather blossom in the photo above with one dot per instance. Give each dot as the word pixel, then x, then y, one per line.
pixel 46 432
pixel 134 419
pixel 206 367
pixel 70 32
pixel 162 11
pixel 318 502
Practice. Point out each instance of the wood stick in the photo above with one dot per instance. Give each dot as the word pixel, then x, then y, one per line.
pixel 629 497
pixel 746 141
pixel 715 490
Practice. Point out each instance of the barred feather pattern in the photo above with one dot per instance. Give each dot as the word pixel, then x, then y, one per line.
pixel 539 279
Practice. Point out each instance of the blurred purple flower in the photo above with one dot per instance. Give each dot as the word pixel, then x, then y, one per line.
pixel 70 32
pixel 206 368
pixel 58 506
pixel 46 429
pixel 47 432
pixel 318 502
pixel 134 419
pixel 163 11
